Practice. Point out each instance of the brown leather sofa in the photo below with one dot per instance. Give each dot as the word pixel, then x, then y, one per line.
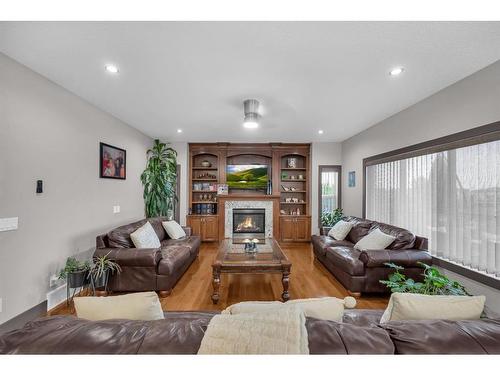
pixel 361 271
pixel 147 269
pixel 182 332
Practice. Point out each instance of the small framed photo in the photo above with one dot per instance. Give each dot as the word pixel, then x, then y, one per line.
pixel 351 181
pixel 222 189
pixel 112 162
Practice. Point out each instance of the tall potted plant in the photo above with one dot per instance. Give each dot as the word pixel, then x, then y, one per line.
pixel 159 180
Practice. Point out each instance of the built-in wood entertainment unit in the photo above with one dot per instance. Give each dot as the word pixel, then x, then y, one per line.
pixel 225 175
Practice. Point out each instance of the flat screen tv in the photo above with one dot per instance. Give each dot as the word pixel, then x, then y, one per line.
pixel 247 176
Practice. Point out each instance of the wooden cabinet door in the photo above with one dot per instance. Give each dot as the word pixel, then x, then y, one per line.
pixel 210 229
pixel 195 223
pixel 287 229
pixel 302 229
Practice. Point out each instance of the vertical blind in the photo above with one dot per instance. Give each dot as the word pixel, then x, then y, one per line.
pixel 329 191
pixel 451 197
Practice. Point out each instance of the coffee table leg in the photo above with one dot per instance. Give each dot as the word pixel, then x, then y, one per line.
pixel 216 285
pixel 285 280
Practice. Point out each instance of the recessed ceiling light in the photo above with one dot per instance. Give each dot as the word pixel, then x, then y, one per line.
pixel 320 131
pixel 111 68
pixel 179 130
pixel 396 71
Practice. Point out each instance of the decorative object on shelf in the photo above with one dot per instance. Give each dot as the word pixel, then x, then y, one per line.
pixel 206 164
pixel 435 283
pixel 112 162
pixel 99 272
pixel 159 180
pixel 351 179
pixel 284 176
pixel 269 190
pixel 295 200
pixel 292 177
pixel 75 273
pixel 291 163
pixel 301 177
pixel 222 189
pixel 283 212
pixel 288 200
pixel 285 188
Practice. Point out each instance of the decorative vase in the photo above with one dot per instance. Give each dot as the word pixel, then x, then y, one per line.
pixel 291 162
pixel 206 164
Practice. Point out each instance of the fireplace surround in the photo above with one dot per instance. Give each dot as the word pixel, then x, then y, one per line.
pixel 249 223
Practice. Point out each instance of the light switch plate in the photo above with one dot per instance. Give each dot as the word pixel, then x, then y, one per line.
pixel 116 209
pixel 9 223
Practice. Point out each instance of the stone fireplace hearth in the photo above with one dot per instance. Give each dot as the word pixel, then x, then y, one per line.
pixel 240 210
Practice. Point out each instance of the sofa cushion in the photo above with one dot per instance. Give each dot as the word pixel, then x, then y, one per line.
pixel 323 242
pixel 145 237
pixel 404 239
pixel 445 337
pixel 192 243
pixel 173 258
pixel 411 306
pixel 375 240
pixel 360 228
pixel 173 229
pixel 347 259
pixel 134 306
pixel 120 237
pixel 340 230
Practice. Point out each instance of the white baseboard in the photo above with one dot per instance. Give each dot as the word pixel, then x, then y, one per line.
pixel 56 296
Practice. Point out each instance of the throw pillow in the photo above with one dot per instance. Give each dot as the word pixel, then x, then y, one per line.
pixel 173 229
pixel 135 306
pixel 326 308
pixel 145 237
pixel 375 240
pixel 411 306
pixel 340 230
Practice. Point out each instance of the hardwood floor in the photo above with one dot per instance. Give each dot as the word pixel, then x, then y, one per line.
pixel 308 278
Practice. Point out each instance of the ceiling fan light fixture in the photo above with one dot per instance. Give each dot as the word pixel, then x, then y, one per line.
pixel 251 109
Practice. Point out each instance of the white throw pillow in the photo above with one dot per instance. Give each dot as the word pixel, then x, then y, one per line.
pixel 340 230
pixel 327 308
pixel 135 306
pixel 145 237
pixel 173 229
pixel 375 240
pixel 411 306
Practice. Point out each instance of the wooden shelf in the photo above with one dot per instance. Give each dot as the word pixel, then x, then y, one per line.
pixel 296 191
pixel 205 168
pixel 205 179
pixel 293 169
pixel 293 202
pixel 290 180
pixel 205 191
pixel 203 202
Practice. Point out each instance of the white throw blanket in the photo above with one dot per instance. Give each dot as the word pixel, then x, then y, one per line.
pixel 281 331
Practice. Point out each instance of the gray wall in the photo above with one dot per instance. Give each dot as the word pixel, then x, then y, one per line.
pixel 50 134
pixel 471 102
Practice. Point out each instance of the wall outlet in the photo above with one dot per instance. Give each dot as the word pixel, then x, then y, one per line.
pixel 116 209
pixel 53 281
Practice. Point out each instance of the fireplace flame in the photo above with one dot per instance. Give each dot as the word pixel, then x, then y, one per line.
pixel 246 224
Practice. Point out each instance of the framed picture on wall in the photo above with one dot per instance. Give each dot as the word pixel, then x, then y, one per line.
pixel 351 181
pixel 112 162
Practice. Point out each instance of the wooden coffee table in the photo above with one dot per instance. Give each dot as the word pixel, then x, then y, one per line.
pixel 269 258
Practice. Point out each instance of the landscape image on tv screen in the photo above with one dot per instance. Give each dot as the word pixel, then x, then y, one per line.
pixel 247 176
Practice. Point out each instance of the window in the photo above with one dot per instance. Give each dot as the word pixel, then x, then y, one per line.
pixel 329 188
pixel 452 197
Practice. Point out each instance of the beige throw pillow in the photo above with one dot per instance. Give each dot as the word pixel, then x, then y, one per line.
pixel 340 230
pixel 375 240
pixel 327 308
pixel 135 306
pixel 410 306
pixel 145 237
pixel 173 229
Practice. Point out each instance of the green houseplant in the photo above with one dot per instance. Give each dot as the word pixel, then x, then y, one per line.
pixel 329 219
pixel 159 180
pixel 100 270
pixel 435 283
pixel 75 272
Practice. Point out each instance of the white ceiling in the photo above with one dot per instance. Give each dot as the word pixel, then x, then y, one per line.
pixel 307 75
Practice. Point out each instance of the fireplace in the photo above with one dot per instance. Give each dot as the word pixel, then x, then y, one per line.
pixel 249 223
